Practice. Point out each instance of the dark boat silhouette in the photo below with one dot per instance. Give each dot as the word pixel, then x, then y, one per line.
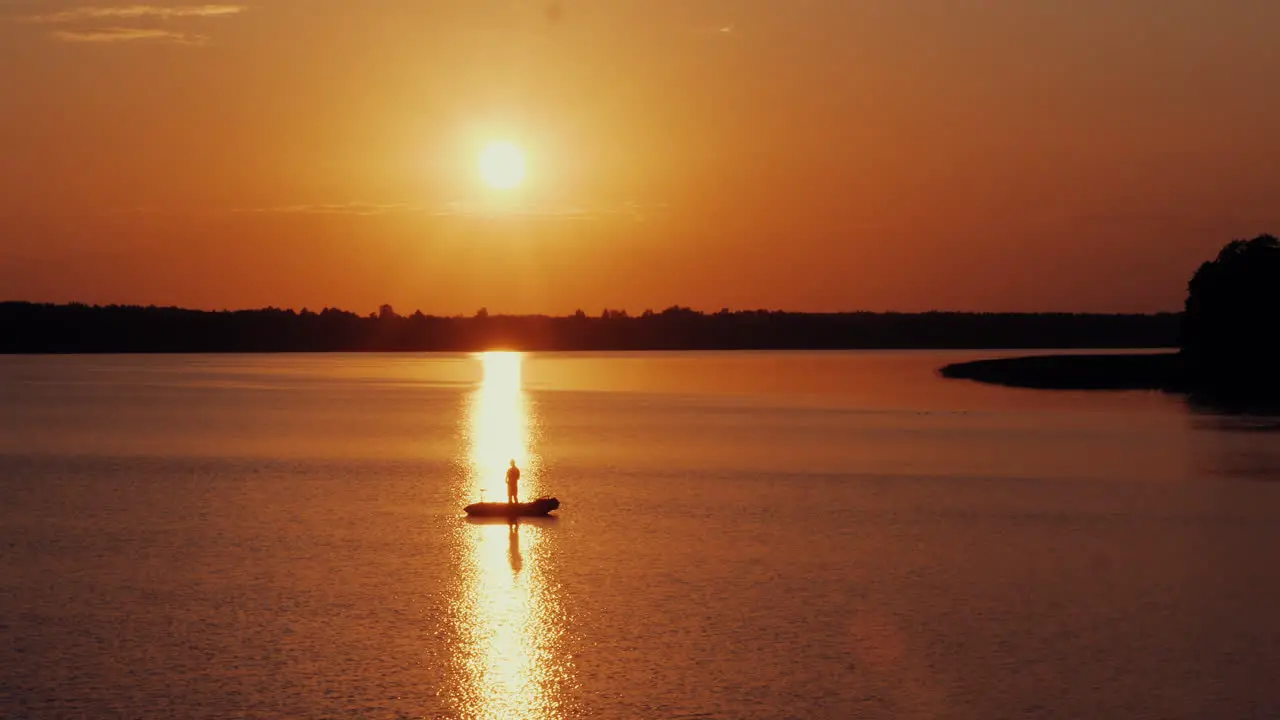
pixel 538 508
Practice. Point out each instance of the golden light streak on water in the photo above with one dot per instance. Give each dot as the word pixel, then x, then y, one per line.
pixel 511 663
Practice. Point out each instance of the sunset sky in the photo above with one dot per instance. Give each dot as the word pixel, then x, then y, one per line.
pixel 909 155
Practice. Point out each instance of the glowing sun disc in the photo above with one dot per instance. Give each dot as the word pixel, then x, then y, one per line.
pixel 502 165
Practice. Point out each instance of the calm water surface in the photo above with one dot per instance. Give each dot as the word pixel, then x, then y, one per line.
pixel 744 535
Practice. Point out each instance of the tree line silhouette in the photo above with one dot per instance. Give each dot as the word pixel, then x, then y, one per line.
pixel 1229 354
pixel 1231 326
pixel 78 328
pixel 1232 314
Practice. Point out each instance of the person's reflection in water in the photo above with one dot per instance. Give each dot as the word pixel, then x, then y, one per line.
pixel 513 546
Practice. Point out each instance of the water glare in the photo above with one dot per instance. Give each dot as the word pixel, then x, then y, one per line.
pixel 511 662
pixel 499 428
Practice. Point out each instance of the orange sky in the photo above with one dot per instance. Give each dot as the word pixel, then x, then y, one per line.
pixel 808 155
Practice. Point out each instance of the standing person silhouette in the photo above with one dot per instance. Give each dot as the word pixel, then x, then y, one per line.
pixel 513 483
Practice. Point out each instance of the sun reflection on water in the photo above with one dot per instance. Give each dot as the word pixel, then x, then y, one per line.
pixel 499 428
pixel 511 663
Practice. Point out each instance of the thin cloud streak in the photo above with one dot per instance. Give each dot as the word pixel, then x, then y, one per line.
pixel 353 208
pixel 133 12
pixel 569 212
pixel 123 35
pixel 476 209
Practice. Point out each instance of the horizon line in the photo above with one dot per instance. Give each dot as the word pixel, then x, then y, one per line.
pixel 613 313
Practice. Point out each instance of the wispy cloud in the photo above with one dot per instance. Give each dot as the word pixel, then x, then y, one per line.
pixel 475 209
pixel 544 210
pixel 121 35
pixel 132 23
pixel 133 12
pixel 352 208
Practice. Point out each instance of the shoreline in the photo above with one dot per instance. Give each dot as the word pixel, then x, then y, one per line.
pixel 1120 371
pixel 1163 372
pixel 1064 350
pixel 29 328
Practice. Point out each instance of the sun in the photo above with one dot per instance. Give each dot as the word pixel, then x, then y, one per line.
pixel 502 165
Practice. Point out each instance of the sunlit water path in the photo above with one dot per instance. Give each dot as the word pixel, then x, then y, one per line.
pixel 513 660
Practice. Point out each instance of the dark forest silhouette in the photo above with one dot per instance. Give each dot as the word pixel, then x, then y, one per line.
pixel 1231 327
pixel 78 328
pixel 1229 353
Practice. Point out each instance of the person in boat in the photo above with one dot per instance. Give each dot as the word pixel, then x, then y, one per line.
pixel 513 483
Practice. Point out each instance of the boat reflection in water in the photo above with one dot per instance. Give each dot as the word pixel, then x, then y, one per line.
pixel 512 663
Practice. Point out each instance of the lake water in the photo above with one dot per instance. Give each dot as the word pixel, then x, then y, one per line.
pixel 743 535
